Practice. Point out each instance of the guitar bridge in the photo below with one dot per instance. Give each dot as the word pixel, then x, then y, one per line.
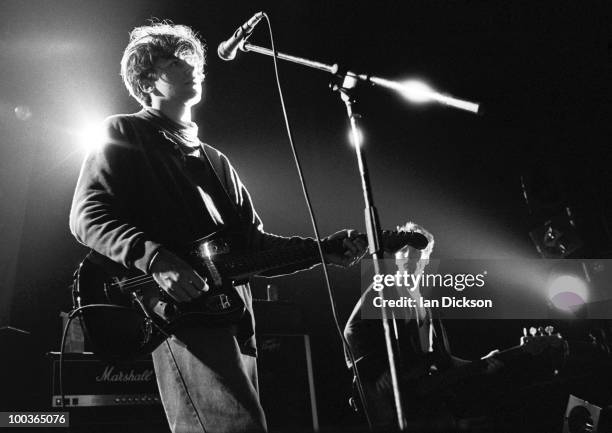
pixel 219 302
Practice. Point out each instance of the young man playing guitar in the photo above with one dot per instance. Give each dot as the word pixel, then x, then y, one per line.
pixel 421 347
pixel 442 392
pixel 151 187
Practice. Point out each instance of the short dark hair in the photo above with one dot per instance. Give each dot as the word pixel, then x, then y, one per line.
pixel 150 43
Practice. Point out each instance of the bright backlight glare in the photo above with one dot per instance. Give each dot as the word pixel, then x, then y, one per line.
pixel 352 137
pixel 90 136
pixel 567 292
pixel 417 91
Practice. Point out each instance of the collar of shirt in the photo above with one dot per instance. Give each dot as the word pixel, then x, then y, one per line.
pixel 183 134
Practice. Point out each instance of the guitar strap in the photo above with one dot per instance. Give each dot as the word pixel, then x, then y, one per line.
pixel 228 205
pixel 244 328
pixel 188 138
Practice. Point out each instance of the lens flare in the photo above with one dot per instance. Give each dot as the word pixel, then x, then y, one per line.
pixel 90 136
pixel 356 139
pixel 567 292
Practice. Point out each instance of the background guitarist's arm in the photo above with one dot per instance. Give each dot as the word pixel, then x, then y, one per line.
pixel 492 364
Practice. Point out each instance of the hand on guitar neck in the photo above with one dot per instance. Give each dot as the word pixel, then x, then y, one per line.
pixel 492 364
pixel 354 246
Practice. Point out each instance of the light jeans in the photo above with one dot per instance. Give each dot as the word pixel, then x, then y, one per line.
pixel 206 384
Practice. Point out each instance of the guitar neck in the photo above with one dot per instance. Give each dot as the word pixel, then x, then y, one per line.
pixel 511 355
pixel 243 266
pixel 508 356
pixel 302 256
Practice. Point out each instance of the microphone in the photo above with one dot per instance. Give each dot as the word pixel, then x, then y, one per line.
pixel 227 49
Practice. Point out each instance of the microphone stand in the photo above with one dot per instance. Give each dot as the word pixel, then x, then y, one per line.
pixel 349 81
pixel 347 92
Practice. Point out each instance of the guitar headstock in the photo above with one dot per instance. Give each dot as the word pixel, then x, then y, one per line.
pixel 536 340
pixel 391 241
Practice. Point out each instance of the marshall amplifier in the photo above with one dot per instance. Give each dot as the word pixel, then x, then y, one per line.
pixel 90 382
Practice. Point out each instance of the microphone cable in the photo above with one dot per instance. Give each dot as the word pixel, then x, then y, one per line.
pixel 315 228
pixel 71 316
pixel 77 311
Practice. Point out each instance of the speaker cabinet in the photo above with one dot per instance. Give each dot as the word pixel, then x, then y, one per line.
pixel 286 382
pixel 102 396
pixel 582 416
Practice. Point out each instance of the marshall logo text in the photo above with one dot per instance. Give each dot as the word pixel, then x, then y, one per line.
pixel 109 375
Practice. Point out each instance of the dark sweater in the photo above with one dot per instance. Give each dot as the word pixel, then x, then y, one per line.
pixel 141 189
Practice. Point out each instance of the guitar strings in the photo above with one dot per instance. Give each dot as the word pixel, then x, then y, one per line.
pixel 243 260
pixel 145 279
pixel 131 281
pixel 240 260
pixel 129 286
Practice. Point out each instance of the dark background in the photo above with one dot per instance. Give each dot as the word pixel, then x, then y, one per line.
pixel 540 70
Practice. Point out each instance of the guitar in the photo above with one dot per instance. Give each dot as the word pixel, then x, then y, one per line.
pixel 134 315
pixel 427 392
pixel 533 344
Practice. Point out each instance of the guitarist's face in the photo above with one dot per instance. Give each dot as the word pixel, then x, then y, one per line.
pixel 179 82
pixel 411 260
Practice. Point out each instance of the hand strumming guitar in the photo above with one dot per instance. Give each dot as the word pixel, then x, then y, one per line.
pixel 176 277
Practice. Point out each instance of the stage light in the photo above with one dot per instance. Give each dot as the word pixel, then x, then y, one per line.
pixel 557 237
pixel 567 292
pixel 23 112
pixel 584 417
pixel 417 91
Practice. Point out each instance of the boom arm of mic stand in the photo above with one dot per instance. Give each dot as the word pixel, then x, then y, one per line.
pixel 332 69
pixel 450 101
